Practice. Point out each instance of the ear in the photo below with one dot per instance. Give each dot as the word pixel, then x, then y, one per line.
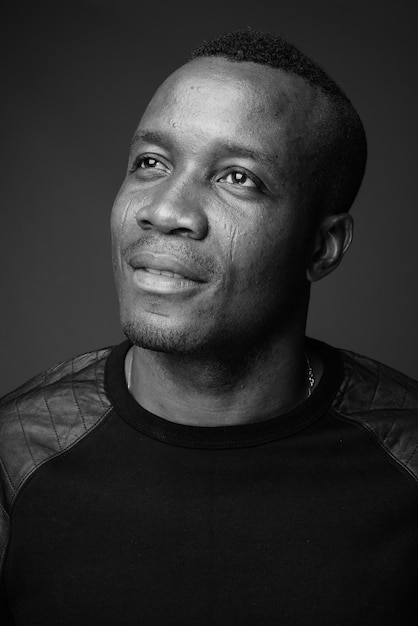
pixel 333 238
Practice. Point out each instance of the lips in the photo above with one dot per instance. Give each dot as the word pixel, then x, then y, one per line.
pixel 163 272
pixel 166 265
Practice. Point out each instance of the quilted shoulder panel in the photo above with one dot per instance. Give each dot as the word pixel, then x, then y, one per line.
pixel 48 414
pixel 383 401
pixel 43 418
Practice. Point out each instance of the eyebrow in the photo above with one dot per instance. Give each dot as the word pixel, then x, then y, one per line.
pixel 150 136
pixel 222 149
pixel 227 147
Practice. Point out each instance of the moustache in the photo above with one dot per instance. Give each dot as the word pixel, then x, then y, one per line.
pixel 180 248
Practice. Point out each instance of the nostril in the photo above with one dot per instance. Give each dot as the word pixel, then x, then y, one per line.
pixel 181 231
pixel 145 224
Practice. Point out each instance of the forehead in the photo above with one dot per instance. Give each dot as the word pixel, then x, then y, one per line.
pixel 252 103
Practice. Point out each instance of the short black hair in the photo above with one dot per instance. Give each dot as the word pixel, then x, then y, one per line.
pixel 341 154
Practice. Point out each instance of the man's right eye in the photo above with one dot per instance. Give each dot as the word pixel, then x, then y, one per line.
pixel 147 163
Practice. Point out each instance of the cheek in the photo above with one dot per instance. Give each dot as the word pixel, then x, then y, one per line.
pixel 266 259
pixel 234 235
pixel 121 221
pixel 255 246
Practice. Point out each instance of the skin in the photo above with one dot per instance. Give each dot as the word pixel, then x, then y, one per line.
pixel 218 191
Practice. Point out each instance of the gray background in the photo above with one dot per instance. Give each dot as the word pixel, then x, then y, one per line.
pixel 78 76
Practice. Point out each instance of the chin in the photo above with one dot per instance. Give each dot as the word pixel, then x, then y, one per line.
pixel 169 340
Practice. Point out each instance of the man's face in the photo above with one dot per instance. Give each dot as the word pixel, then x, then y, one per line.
pixel 211 228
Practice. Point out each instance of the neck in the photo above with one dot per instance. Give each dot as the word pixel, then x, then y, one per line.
pixel 215 390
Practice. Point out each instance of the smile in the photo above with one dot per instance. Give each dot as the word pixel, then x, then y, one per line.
pixel 163 281
pixel 162 273
pixel 152 270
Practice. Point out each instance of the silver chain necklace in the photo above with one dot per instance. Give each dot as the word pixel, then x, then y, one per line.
pixel 311 377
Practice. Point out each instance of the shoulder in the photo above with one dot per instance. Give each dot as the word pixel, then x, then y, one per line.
pixel 48 414
pixel 372 385
pixel 385 403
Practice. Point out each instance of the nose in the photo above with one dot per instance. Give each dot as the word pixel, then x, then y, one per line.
pixel 174 209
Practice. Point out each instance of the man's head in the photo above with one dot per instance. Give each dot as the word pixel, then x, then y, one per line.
pixel 235 198
pixel 338 146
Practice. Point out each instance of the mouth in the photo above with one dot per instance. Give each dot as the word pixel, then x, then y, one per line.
pixel 164 274
pixel 168 273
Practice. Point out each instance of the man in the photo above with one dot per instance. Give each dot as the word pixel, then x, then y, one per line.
pixel 218 467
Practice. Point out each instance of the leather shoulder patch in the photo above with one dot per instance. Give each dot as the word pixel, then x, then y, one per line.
pixel 43 418
pixel 48 414
pixel 383 401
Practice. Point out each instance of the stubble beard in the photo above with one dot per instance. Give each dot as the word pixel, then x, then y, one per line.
pixel 147 336
pixel 194 341
pixel 198 339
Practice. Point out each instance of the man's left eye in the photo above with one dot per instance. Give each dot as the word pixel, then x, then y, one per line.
pixel 238 178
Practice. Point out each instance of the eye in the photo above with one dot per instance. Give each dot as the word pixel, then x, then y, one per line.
pixel 239 178
pixel 145 162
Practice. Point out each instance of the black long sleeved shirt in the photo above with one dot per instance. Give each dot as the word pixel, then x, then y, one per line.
pixel 114 516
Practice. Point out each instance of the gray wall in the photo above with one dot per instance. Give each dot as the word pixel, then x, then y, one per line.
pixel 78 76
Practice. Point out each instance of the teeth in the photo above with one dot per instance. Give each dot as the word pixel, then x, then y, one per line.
pixel 151 270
